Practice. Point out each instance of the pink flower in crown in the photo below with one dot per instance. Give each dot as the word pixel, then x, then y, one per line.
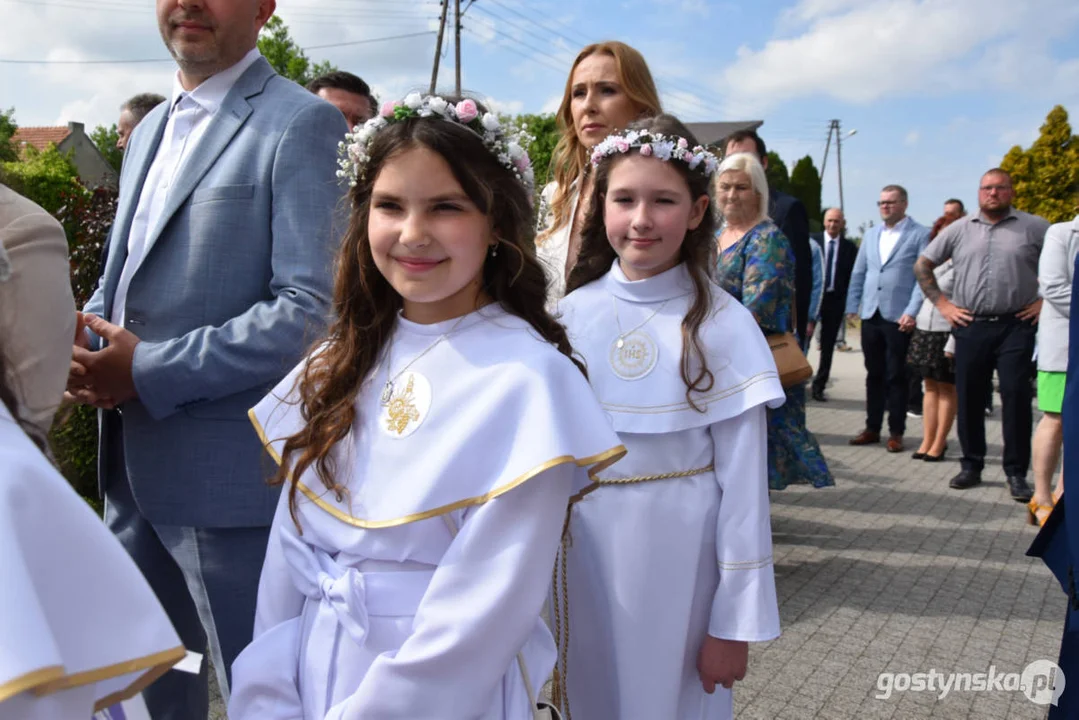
pixel 687 156
pixel 683 143
pixel 646 150
pixel 621 145
pixel 467 110
pixel 387 109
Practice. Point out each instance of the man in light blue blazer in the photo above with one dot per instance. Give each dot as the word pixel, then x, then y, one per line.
pixel 217 280
pixel 885 294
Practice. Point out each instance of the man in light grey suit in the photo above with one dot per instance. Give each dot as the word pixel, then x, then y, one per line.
pixel 218 278
pixel 884 293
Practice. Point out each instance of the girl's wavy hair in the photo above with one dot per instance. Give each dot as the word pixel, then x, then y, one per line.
pixel 569 160
pixel 697 251
pixel 365 305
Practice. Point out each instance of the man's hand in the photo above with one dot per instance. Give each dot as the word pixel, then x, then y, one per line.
pixel 906 323
pixel 852 319
pixel 104 378
pixel 810 327
pixel 1031 311
pixel 957 316
pixel 721 662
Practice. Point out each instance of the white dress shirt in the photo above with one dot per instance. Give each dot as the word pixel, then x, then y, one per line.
pixel 831 245
pixel 889 237
pixel 189 117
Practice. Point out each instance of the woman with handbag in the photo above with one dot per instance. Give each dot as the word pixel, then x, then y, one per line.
pixel 756 265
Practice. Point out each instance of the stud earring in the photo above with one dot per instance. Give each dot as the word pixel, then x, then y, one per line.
pixel 494 250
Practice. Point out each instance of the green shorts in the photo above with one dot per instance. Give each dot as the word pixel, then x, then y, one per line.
pixel 1051 391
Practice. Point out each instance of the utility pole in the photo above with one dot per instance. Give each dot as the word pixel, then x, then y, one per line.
pixel 827 146
pixel 839 162
pixel 833 129
pixel 457 32
pixel 438 46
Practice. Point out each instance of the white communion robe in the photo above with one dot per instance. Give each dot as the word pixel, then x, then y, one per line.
pixel 412 594
pixel 80 629
pixel 655 563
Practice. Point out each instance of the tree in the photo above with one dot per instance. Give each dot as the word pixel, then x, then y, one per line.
pixel 45 176
pixel 105 138
pixel 8 151
pixel 778 178
pixel 1046 177
pixel 806 186
pixel 544 132
pixel 286 57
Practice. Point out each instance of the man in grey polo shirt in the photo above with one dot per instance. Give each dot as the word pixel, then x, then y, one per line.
pixel 993 311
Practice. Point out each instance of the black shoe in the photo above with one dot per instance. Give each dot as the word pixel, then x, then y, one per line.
pixel 1020 491
pixel 935 458
pixel 918 456
pixel 818 395
pixel 965 479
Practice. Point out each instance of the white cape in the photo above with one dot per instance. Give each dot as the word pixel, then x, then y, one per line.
pixel 81 628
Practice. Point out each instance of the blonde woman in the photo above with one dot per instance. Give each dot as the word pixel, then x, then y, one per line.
pixel 608 87
pixel 756 265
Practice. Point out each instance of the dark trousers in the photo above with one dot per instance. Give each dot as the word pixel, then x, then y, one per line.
pixel 205 578
pixel 831 320
pixel 885 350
pixel 914 390
pixel 1006 345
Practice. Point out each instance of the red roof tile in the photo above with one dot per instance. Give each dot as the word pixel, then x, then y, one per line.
pixel 40 137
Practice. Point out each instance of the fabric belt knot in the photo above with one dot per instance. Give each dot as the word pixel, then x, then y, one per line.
pixel 343 591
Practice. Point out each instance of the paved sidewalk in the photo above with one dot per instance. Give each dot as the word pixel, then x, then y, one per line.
pixel 891 571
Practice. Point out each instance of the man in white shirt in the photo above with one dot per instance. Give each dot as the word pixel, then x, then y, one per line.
pixel 884 294
pixel 218 278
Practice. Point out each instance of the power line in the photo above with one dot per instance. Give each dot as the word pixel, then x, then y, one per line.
pixel 168 60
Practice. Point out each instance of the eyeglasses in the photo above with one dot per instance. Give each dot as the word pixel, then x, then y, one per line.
pixel 998 188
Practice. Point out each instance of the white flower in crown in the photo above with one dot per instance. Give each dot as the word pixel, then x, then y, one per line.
pixel 413 101
pixel 490 122
pixel 439 106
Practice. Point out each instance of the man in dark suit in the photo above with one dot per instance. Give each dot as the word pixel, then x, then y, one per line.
pixel 839 254
pixel 790 215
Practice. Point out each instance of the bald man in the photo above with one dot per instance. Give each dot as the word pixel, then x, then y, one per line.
pixel 839 254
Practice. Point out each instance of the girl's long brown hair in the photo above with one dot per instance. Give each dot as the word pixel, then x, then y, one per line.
pixel 697 252
pixel 570 158
pixel 365 305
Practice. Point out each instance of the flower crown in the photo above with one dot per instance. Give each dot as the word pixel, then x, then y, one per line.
pixel 662 147
pixel 508 147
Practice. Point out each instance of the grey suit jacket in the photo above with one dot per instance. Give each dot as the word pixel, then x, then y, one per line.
pixel 234 287
pixel 889 287
pixel 1055 269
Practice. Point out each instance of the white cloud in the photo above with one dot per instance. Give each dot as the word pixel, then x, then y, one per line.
pixel 861 51
pixel 505 107
pixel 552 104
pixel 912 138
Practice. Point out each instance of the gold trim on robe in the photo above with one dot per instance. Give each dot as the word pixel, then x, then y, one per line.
pixel 595 464
pixel 30 680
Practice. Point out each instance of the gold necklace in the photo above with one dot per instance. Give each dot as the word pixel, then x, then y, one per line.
pixel 387 389
pixel 622 335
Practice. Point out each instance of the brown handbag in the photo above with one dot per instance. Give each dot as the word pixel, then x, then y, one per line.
pixel 791 362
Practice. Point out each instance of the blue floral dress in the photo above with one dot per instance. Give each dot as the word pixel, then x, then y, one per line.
pixel 759 271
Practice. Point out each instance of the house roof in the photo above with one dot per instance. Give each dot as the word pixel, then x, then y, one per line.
pixel 709 133
pixel 40 137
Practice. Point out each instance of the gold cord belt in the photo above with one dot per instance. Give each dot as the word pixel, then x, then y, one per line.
pixel 560 591
pixel 649 478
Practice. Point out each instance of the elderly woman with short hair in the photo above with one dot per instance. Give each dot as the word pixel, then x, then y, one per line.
pixel 756 266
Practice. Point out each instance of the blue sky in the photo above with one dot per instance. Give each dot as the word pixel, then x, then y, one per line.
pixel 938 90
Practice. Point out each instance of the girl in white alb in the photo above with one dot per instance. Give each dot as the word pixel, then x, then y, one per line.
pixel 429 447
pixel 669 558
